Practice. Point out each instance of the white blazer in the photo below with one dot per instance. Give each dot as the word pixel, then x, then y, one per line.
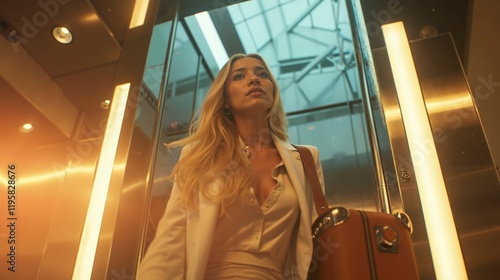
pixel 182 243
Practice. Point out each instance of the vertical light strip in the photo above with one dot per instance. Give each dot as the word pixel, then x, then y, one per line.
pixel 212 37
pixel 443 238
pixel 139 13
pixel 93 220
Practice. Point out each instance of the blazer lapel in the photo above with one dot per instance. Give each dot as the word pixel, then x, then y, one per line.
pixel 293 164
pixel 299 261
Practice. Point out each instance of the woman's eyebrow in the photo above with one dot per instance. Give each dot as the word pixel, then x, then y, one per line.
pixel 244 69
pixel 239 69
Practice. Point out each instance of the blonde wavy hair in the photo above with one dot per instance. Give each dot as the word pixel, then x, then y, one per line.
pixel 215 153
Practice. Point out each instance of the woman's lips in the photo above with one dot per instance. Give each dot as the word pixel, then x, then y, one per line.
pixel 255 89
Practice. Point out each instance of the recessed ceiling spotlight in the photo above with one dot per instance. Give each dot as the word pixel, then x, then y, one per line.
pixel 427 31
pixel 25 128
pixel 105 104
pixel 62 34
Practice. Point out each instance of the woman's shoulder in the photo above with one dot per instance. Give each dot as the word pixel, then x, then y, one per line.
pixel 312 148
pixel 188 147
pixel 181 151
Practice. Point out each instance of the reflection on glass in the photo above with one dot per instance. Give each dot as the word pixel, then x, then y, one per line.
pixel 210 34
pixel 340 135
pixel 155 61
pixel 181 83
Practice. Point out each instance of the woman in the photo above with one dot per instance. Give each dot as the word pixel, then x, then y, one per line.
pixel 240 207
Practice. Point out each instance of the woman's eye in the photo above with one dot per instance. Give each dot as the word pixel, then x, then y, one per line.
pixel 238 76
pixel 263 75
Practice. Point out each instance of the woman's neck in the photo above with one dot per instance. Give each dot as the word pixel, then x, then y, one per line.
pixel 254 134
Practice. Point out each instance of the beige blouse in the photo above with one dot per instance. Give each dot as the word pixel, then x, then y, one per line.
pixel 253 242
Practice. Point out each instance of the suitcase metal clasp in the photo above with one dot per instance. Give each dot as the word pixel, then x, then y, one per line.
pixel 405 220
pixel 387 239
pixel 334 217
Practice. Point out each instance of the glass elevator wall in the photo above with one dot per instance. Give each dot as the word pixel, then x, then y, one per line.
pixel 309 48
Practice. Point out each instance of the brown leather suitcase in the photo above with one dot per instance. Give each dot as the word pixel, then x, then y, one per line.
pixel 358 245
pixel 355 244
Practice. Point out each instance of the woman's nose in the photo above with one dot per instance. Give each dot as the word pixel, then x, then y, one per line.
pixel 254 79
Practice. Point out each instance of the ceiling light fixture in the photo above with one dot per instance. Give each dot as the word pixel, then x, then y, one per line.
pixel 62 35
pixel 25 128
pixel 105 104
pixel 139 13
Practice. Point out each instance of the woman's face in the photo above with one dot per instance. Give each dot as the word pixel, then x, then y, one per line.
pixel 249 89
